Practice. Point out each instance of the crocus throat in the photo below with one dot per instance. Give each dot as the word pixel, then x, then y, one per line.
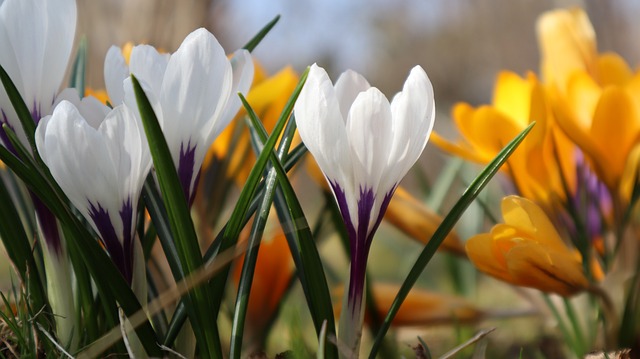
pixel 121 253
pixel 186 169
pixel 360 238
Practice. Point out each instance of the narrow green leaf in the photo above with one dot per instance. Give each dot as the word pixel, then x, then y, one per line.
pixel 28 124
pixel 202 315
pixel 257 230
pixel 18 248
pixel 78 71
pixel 236 221
pixel 158 214
pixel 251 45
pixel 302 245
pixel 443 230
pixel 180 314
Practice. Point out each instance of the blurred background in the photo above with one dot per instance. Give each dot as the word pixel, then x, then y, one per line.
pixel 460 43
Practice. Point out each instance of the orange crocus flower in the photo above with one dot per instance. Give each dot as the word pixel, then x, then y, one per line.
pixel 271 280
pixel 420 307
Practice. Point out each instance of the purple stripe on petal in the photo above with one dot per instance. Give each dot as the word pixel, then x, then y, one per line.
pixel 103 223
pixel 3 134
pixel 344 208
pixel 186 165
pixel 48 225
pixel 126 214
pixel 360 247
pixel 36 113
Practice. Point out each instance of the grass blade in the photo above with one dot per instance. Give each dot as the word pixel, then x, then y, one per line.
pixel 251 45
pixel 202 317
pixel 302 245
pixel 445 227
pixel 78 71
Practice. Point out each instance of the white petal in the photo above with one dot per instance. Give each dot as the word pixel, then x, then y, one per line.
pixel 413 112
pixel 116 71
pixel 104 166
pixel 242 67
pixel 90 108
pixel 148 65
pixel 322 128
pixel 370 136
pixel 348 86
pixel 195 92
pixel 61 28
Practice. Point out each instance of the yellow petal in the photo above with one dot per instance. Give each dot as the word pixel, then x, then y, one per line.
pixel 533 265
pixel 480 252
pixel 615 129
pixel 486 129
pixel 613 70
pixel 526 216
pixel 567 43
pixel 100 94
pixel 460 149
pixel 511 97
pixel 630 174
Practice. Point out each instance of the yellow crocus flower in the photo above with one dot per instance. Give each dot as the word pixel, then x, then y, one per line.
pixel 535 167
pixel 526 250
pixel 267 98
pixel 595 96
pixel 567 43
pixel 604 121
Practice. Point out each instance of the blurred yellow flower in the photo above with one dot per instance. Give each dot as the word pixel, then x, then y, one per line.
pixel 418 221
pixel 535 166
pixel 567 44
pixel 271 279
pixel 267 97
pixel 420 307
pixel 527 250
pixel 596 96
pixel 100 94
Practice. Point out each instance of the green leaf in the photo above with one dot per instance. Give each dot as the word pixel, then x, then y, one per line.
pixel 28 124
pixel 78 71
pixel 443 230
pixel 18 248
pixel 236 221
pixel 251 45
pixel 203 318
pixel 158 214
pixel 257 230
pixel 180 314
pixel 301 242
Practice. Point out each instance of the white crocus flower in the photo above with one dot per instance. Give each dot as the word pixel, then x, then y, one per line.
pixel 365 146
pixel 100 159
pixel 193 92
pixel 36 38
